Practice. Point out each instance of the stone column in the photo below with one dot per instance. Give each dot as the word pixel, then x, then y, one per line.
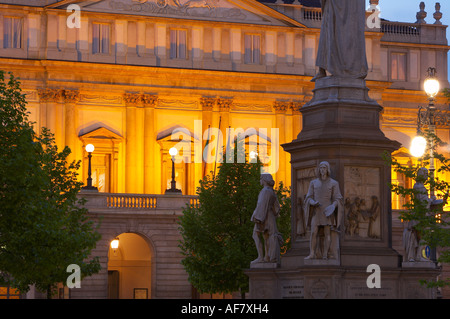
pixel 280 122
pixel 131 149
pixel 71 98
pixel 150 180
pixel 207 104
pixel 295 107
pixel 51 113
pixel 224 105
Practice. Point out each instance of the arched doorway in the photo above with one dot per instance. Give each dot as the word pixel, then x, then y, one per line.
pixel 129 268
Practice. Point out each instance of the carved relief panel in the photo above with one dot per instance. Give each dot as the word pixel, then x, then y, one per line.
pixel 361 202
pixel 304 177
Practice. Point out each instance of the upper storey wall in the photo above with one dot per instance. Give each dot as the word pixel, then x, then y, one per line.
pixel 242 36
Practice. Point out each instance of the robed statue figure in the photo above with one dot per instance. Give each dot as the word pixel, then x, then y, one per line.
pixel 323 209
pixel 342 46
pixel 264 216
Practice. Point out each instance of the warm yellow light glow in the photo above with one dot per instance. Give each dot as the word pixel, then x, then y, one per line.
pixel 253 154
pixel 418 146
pixel 173 151
pixel 431 86
pixel 90 148
pixel 115 243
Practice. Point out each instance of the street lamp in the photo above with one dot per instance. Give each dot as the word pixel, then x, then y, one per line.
pixel 89 149
pixel 427 117
pixel 173 184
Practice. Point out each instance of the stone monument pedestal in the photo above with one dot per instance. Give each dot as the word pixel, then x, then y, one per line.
pixel 336 282
pixel 341 126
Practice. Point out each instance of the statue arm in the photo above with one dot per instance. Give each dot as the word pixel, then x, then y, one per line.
pixel 309 199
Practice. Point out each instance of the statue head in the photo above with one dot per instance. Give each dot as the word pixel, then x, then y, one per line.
pixel 267 179
pixel 422 174
pixel 323 170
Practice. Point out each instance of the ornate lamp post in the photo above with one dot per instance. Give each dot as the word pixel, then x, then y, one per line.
pixel 429 116
pixel 89 149
pixel 173 184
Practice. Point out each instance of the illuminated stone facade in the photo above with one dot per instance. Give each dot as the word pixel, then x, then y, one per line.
pixel 126 74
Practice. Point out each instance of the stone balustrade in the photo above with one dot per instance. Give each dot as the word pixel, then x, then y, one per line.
pixel 120 202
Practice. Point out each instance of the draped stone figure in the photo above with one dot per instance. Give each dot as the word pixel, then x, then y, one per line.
pixel 411 237
pixel 323 209
pixel 342 46
pixel 264 216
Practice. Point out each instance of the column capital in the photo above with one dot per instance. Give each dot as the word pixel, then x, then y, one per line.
pixel 281 106
pixel 207 103
pixel 71 96
pixel 224 104
pixel 295 107
pixel 50 95
pixel 132 99
pixel 149 100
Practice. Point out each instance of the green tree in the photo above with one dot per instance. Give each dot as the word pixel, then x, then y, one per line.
pixel 432 222
pixel 217 234
pixel 43 225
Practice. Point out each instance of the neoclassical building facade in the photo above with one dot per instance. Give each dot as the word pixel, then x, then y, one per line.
pixel 137 77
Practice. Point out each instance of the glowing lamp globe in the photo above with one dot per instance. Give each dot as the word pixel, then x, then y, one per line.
pixel 431 86
pixel 90 148
pixel 115 243
pixel 418 146
pixel 173 151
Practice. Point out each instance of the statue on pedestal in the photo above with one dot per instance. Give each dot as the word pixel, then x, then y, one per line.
pixel 342 48
pixel 264 216
pixel 323 209
pixel 411 237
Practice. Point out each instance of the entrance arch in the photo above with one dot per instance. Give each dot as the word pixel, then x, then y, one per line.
pixel 130 268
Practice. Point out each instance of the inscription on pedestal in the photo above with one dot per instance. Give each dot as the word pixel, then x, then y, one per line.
pixel 293 289
pixel 361 291
pixel 319 290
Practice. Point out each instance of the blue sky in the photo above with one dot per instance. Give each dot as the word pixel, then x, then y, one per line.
pixel 405 11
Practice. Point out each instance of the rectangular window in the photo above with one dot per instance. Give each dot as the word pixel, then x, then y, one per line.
pixel 100 38
pixel 398 66
pixel 7 292
pixel 12 32
pixel 178 44
pixel 252 44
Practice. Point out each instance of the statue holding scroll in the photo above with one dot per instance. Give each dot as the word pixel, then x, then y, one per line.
pixel 323 210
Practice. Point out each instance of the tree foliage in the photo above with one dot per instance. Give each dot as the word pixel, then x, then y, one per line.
pixel 217 234
pixel 43 225
pixel 433 224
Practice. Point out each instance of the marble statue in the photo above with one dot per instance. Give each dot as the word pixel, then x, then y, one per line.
pixel 264 216
pixel 411 237
pixel 342 46
pixel 323 209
